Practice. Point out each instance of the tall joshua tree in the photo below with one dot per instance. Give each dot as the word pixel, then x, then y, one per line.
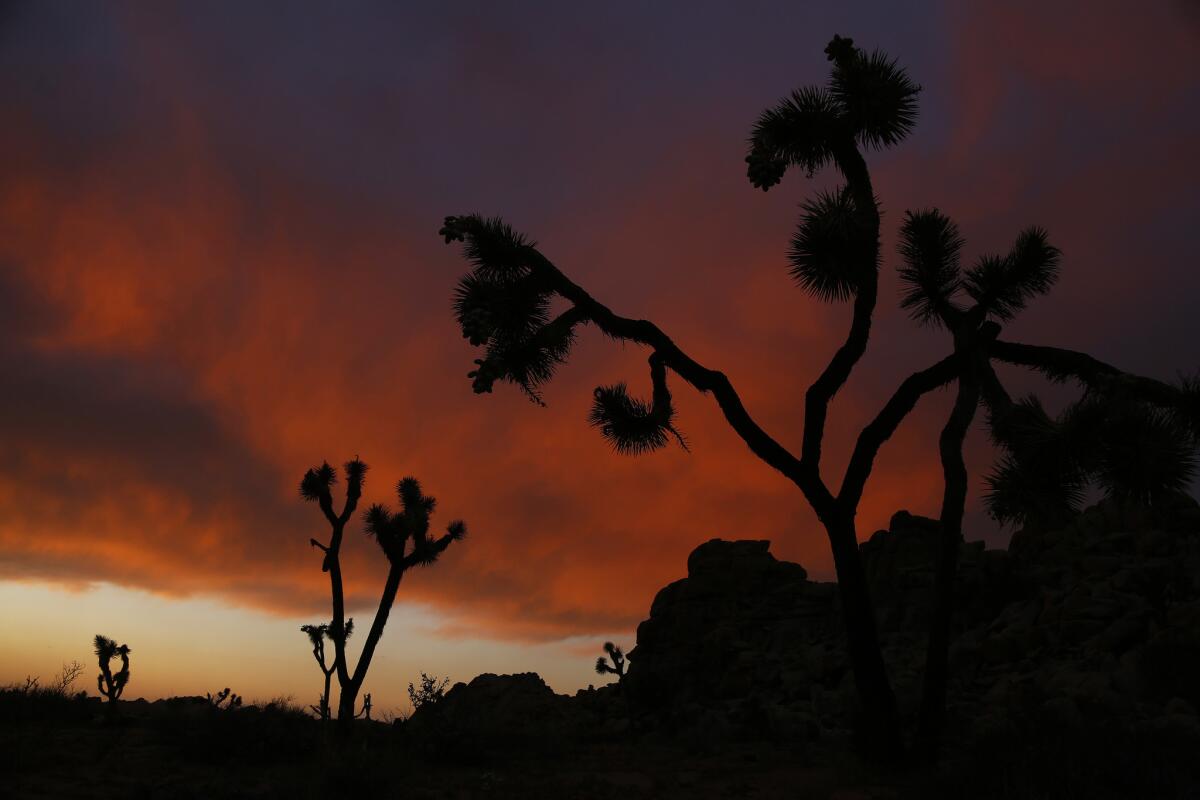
pixel 869 102
pixel 1131 435
pixel 108 684
pixel 404 539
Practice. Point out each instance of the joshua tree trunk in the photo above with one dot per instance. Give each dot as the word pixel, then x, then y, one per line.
pixel 348 700
pixel 931 717
pixel 879 728
pixel 325 700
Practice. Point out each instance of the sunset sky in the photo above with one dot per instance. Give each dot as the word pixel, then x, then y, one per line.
pixel 219 265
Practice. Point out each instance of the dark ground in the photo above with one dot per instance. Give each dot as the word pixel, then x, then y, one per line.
pixel 53 746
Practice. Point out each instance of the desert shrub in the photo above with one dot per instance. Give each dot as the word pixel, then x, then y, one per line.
pixel 430 690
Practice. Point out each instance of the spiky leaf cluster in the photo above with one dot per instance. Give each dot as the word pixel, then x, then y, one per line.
pixel 404 536
pixel 930 245
pixel 1042 475
pixel 877 98
pixel 105 648
pixel 316 633
pixel 356 473
pixel 831 251
pixel 800 130
pixel 1003 286
pixel 869 100
pixel 503 305
pixel 317 482
pixel 1143 455
pixel 1130 450
pixel 631 425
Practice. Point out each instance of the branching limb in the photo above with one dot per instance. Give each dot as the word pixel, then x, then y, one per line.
pixel 880 429
pixel 1060 365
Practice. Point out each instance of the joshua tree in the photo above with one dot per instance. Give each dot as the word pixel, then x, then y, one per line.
pixel 366 709
pixel 404 539
pixel 317 634
pixel 108 684
pixel 618 662
pixel 1131 435
pixel 504 305
pixel 215 700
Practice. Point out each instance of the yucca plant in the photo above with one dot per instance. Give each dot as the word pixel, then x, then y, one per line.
pixel 869 102
pixel 402 536
pixel 108 684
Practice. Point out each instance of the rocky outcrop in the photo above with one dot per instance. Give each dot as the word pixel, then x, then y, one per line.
pixel 497 713
pixel 1094 624
pixel 1098 620
pixel 738 645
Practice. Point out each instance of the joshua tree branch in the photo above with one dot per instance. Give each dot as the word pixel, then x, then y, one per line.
pixel 701 378
pixel 819 395
pixel 1059 364
pixel 880 429
pixel 395 573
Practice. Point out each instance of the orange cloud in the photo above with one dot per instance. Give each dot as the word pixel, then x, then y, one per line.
pixel 196 312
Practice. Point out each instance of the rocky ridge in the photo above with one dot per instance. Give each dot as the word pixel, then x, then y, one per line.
pixel 1097 621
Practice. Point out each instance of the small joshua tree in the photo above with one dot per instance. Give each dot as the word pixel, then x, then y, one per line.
pixel 403 537
pixel 108 684
pixel 618 662
pixel 366 709
pixel 231 699
pixel 317 634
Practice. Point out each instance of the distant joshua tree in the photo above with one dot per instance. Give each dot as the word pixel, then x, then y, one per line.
pixel 365 713
pixel 504 305
pixel 231 699
pixel 618 662
pixel 317 634
pixel 108 684
pixel 403 537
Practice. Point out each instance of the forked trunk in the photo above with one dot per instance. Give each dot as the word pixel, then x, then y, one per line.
pixel 348 700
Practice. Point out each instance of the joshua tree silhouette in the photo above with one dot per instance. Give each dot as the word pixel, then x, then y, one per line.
pixel 365 713
pixel 504 305
pixel 317 634
pixel 403 538
pixel 215 700
pixel 108 684
pixel 1131 435
pixel 618 662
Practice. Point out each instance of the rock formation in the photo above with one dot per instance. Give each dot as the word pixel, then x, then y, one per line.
pixel 1096 623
